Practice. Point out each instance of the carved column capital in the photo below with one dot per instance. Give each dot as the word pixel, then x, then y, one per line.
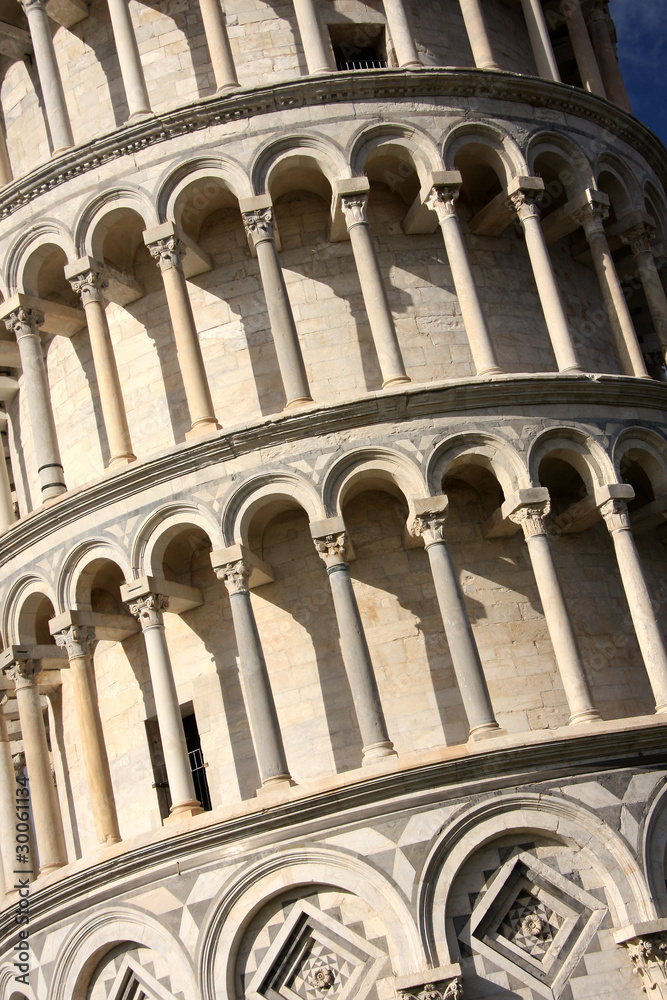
pixel 89 285
pixel 168 252
pixel 24 322
pixel 18 760
pixel 235 576
pixel 615 515
pixel 440 989
pixel 442 200
pixel 23 673
pixel 29 5
pixel 430 526
pixel 331 549
pixel 77 639
pixel 525 205
pixel 259 225
pixel 648 955
pixel 148 610
pixel 531 517
pixel 354 210
pixel 639 238
pixel 592 217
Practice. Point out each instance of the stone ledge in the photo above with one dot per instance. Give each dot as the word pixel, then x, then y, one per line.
pixel 385 85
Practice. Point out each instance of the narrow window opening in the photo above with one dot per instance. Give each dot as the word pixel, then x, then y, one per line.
pixel 197 763
pixel 358 46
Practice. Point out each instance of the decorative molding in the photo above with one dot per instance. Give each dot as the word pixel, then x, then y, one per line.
pixel 439 989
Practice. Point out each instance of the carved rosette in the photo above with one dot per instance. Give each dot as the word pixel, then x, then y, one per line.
pixel 24 322
pixel 444 989
pixel 649 960
pixel 615 515
pixel 331 549
pixel 639 238
pixel 77 639
pixel 442 200
pixel 235 576
pixel 431 527
pixel 168 252
pixel 525 205
pixel 531 518
pixel 89 285
pixel 259 225
pixel 354 210
pixel 148 610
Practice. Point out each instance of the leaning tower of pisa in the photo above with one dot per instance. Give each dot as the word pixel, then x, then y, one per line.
pixel 332 522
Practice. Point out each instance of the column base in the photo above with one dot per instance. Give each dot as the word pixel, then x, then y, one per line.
pixel 182 810
pixel 572 370
pixel 492 370
pixel 51 492
pixel 140 116
pixel 661 709
pixel 377 751
pixel 275 789
pixel 398 380
pixel 202 428
pixel 109 842
pixel 491 65
pixel 581 718
pixel 227 88
pixel 54 867
pixel 298 401
pixel 120 460
pixel 487 731
pixel 415 64
pixel 61 149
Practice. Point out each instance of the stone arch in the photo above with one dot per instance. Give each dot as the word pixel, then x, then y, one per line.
pixel 33 246
pixel 405 141
pixel 9 990
pixel 321 154
pixel 656 205
pixel 209 175
pixel 577 447
pixel 646 447
pixel 479 824
pixel 367 468
pixel 108 927
pixel 574 169
pixel 21 607
pixel 261 497
pixel 162 526
pixel 492 453
pixel 94 219
pixel 654 849
pixel 500 151
pixel 75 577
pixel 616 179
pixel 256 884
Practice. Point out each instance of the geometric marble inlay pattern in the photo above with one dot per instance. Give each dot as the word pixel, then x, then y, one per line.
pixel 530 924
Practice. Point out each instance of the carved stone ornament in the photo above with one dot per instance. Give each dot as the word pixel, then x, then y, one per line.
pixel 442 201
pixel 615 515
pixel 89 285
pixel 168 252
pixel 649 959
pixel 431 527
pixel 323 978
pixel 354 210
pixel 77 639
pixel 331 549
pixel 592 218
pixel 447 989
pixel 148 610
pixel 24 322
pixel 531 518
pixel 639 238
pixel 29 5
pixel 23 672
pixel 524 205
pixel 18 760
pixel 259 225
pixel 235 576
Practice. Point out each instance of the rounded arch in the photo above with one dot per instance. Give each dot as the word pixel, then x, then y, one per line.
pixel 617 180
pixel 577 447
pixel 76 574
pixel 546 814
pixel 367 468
pixel 162 526
pixel 207 179
pixel 320 154
pixel 656 205
pixel 649 449
pixel 96 218
pixel 574 170
pixel 266 495
pixel 486 450
pixel 32 248
pixel 22 607
pixel 654 849
pixel 256 884
pixel 405 142
pixel 495 148
pixel 9 990
pixel 96 935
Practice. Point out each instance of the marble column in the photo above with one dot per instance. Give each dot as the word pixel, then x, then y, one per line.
pixel 592 218
pixel 478 36
pixel 43 796
pixel 373 290
pixel 127 51
pixel 430 525
pixel 547 289
pixel 169 254
pixel 442 200
pixel 640 237
pixel 148 610
pixel 401 34
pixel 24 324
pixel 647 629
pixel 259 227
pixel 356 655
pixel 538 32
pixel 7 515
pixel 6 175
pixel 217 40
pixel 600 26
pixel 582 46
pixel 530 516
pixel 79 641
pixel 49 75
pixel 89 284
pixel 257 694
pixel 10 802
pixel 319 55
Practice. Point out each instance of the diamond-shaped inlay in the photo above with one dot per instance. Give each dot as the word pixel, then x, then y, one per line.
pixel 315 957
pixel 530 924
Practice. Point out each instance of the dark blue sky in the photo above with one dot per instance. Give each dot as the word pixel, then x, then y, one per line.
pixel 642 51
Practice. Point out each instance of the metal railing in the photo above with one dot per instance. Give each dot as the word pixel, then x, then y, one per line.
pixel 347 64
